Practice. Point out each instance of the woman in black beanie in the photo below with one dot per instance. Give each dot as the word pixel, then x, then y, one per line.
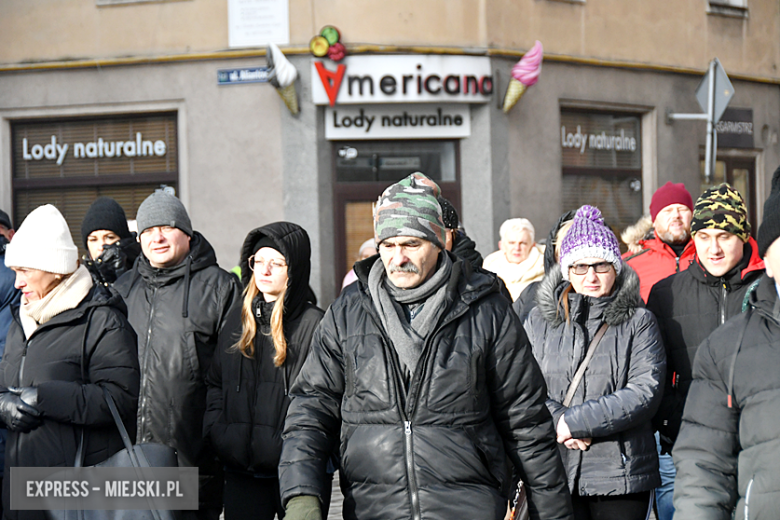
pixel 111 247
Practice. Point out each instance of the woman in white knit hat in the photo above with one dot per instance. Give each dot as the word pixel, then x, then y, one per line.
pixel 69 340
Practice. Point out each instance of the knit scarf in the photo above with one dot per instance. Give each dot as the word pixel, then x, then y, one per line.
pixel 65 296
pixel 408 337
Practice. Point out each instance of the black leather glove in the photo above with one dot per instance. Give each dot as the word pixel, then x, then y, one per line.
pixel 28 394
pixel 18 415
pixel 112 263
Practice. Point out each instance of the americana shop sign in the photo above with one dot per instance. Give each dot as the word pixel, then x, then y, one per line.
pixel 402 79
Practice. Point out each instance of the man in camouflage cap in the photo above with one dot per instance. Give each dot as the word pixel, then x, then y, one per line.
pixel 691 304
pixel 424 375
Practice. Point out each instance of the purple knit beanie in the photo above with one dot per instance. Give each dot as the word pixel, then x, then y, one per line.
pixel 589 237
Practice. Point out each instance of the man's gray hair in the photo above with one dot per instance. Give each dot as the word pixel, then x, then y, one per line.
pixel 516 225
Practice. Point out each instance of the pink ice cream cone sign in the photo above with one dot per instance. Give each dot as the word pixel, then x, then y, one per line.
pixel 525 73
pixel 527 70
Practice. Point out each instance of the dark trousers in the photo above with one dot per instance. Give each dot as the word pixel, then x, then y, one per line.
pixel 250 498
pixel 634 506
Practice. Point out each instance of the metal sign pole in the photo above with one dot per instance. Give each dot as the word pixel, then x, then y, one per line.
pixel 709 154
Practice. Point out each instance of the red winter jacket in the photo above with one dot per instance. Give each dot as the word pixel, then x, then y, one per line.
pixel 656 261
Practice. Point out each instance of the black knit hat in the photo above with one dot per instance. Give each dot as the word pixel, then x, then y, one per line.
pixel 770 227
pixel 105 213
pixel 448 213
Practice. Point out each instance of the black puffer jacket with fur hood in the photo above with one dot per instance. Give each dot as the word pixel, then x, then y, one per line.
pixel 620 391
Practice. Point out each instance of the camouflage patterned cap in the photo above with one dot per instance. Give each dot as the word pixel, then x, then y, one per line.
pixel 721 207
pixel 409 208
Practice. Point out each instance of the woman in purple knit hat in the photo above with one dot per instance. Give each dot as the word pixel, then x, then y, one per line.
pixel 603 419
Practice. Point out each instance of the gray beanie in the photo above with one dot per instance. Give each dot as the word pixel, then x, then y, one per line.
pixel 163 209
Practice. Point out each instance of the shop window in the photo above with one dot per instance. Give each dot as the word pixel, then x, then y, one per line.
pixel 362 171
pixel 602 164
pixel 70 162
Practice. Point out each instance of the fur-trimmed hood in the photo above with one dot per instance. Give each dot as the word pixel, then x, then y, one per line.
pixel 632 235
pixel 618 308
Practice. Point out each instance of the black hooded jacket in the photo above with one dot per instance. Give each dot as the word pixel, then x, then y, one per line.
pixel 690 305
pixel 728 457
pixel 178 313
pixel 621 388
pixel 438 450
pixel 248 397
pixel 51 361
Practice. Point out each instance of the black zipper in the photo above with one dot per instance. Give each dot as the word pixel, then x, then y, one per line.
pixel 144 371
pixel 723 295
pixel 408 411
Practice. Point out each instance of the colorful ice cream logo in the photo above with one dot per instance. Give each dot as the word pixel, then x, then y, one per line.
pixel 282 75
pixel 525 73
pixel 327 44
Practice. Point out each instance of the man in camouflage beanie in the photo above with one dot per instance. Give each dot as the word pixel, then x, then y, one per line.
pixel 417 326
pixel 691 304
pixel 410 208
pixel 721 207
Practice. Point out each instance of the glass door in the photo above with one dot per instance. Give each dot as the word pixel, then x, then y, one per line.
pixel 362 171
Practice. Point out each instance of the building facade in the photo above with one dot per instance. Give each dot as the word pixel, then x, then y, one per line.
pixel 118 97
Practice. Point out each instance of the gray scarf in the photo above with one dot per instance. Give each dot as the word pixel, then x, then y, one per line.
pixel 408 338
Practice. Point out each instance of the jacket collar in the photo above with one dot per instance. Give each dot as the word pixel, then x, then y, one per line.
pixel 99 296
pixel 614 309
pixel 465 286
pixel 764 299
pixel 201 255
pixel 750 262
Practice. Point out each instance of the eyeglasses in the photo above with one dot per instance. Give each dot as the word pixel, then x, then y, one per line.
pixel 600 267
pixel 260 263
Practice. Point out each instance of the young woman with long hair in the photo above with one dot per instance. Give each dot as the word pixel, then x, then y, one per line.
pixel 260 351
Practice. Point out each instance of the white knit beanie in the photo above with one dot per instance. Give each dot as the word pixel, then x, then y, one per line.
pixel 43 242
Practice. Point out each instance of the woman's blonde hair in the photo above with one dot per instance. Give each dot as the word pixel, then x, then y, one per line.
pixel 246 343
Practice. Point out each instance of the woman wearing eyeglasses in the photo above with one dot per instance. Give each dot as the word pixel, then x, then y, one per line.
pixel 260 351
pixel 604 430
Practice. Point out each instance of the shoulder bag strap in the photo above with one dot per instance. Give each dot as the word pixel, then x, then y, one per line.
pixel 121 427
pixel 575 382
pixel 85 378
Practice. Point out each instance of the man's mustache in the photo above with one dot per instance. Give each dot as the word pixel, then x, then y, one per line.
pixel 407 267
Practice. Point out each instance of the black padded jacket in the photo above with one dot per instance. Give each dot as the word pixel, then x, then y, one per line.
pixel 178 313
pixel 621 388
pixel 436 451
pixel 72 400
pixel 728 457
pixel 690 305
pixel 248 397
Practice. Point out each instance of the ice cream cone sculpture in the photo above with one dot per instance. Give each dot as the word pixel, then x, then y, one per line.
pixel 525 73
pixel 283 74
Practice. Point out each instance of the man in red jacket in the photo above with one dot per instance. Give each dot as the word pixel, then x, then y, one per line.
pixel 659 247
pixel 662 246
